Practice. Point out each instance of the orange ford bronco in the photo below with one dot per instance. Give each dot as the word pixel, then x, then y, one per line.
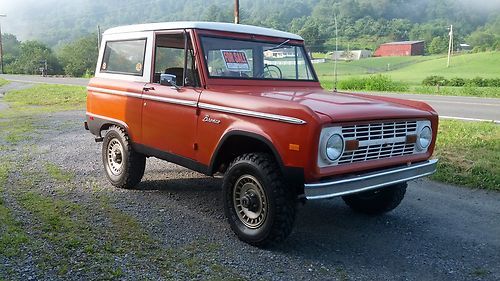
pixel 245 102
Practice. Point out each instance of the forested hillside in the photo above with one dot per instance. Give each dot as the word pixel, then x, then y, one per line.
pixel 63 32
pixel 363 23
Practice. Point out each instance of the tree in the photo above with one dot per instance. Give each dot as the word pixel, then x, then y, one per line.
pixel 310 33
pixel 438 45
pixel 216 13
pixel 31 57
pixel 80 57
pixel 11 48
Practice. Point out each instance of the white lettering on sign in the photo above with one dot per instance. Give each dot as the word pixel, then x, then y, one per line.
pixel 235 60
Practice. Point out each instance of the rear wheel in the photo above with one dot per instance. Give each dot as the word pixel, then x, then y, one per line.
pixel 257 204
pixel 378 201
pixel 123 166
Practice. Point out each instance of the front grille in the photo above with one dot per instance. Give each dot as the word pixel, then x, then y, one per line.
pixel 378 141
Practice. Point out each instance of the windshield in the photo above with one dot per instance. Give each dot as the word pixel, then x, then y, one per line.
pixel 231 58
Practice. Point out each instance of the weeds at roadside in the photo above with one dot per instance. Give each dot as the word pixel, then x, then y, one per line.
pixel 467 91
pixel 59 174
pixel 469 154
pixel 480 272
pixel 12 237
pixel 3 82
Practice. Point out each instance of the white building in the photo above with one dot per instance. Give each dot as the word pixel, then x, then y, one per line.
pixel 351 55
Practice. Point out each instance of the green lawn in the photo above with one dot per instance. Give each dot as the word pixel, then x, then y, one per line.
pixel 47 95
pixel 44 98
pixel 412 70
pixel 469 154
pixel 485 65
pixel 366 66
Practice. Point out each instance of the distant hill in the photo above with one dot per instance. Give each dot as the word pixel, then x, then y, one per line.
pixel 363 23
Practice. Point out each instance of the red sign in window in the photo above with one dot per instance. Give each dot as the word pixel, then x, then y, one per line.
pixel 235 60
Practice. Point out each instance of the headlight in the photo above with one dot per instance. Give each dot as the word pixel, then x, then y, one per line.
pixel 334 147
pixel 424 137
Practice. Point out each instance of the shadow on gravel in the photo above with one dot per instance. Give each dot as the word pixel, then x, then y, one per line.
pixel 182 185
pixel 329 238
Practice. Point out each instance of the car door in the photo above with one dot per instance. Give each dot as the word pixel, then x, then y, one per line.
pixel 169 114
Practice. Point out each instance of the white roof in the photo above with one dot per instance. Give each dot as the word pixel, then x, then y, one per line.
pixel 220 26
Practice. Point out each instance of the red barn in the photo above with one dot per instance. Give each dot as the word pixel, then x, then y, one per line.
pixel 404 48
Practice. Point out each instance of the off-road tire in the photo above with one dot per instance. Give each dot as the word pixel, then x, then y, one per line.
pixel 132 163
pixel 378 201
pixel 281 202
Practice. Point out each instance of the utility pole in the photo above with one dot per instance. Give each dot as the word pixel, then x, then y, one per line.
pixel 1 47
pixel 450 46
pixel 335 78
pixel 236 11
pixel 98 38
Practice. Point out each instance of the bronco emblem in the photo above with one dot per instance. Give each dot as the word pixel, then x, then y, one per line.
pixel 210 120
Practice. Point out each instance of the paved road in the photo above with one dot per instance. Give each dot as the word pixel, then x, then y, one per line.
pixel 458 107
pixel 46 80
pixel 447 106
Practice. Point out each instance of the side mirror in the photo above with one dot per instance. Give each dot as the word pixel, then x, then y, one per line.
pixel 168 80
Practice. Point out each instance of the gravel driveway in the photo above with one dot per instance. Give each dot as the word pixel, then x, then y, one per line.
pixel 440 232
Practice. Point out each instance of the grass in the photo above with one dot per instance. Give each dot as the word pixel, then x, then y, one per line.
pixel 58 174
pixel 3 82
pixel 469 154
pixel 67 241
pixel 377 82
pixel 12 236
pixel 64 239
pixel 48 95
pixel 17 121
pixel 486 92
pixel 469 66
pixel 413 70
pixel 368 66
pixel 16 130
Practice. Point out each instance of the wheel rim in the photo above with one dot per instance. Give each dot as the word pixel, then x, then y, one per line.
pixel 250 201
pixel 114 155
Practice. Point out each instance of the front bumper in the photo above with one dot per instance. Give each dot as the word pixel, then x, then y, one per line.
pixel 369 181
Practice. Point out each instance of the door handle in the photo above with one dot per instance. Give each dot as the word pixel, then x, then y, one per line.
pixel 147 89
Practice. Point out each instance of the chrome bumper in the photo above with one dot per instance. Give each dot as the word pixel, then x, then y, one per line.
pixel 369 181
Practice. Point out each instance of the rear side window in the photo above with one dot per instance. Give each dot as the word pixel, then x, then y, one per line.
pixel 124 57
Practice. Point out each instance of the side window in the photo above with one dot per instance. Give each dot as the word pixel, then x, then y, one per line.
pixel 124 57
pixel 170 55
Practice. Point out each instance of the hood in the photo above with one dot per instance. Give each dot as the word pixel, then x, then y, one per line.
pixel 348 107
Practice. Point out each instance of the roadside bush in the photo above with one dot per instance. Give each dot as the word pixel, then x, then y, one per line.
pixel 379 82
pixel 495 82
pixel 435 81
pixel 461 82
pixel 352 84
pixel 457 82
pixel 478 82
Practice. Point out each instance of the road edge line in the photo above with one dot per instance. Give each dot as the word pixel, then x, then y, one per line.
pixel 469 119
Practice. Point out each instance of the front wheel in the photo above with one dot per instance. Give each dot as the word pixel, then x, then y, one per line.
pixel 259 208
pixel 122 164
pixel 378 201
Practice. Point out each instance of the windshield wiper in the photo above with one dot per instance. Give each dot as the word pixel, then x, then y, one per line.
pixel 280 45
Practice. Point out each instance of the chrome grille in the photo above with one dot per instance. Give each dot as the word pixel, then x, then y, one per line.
pixel 378 141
